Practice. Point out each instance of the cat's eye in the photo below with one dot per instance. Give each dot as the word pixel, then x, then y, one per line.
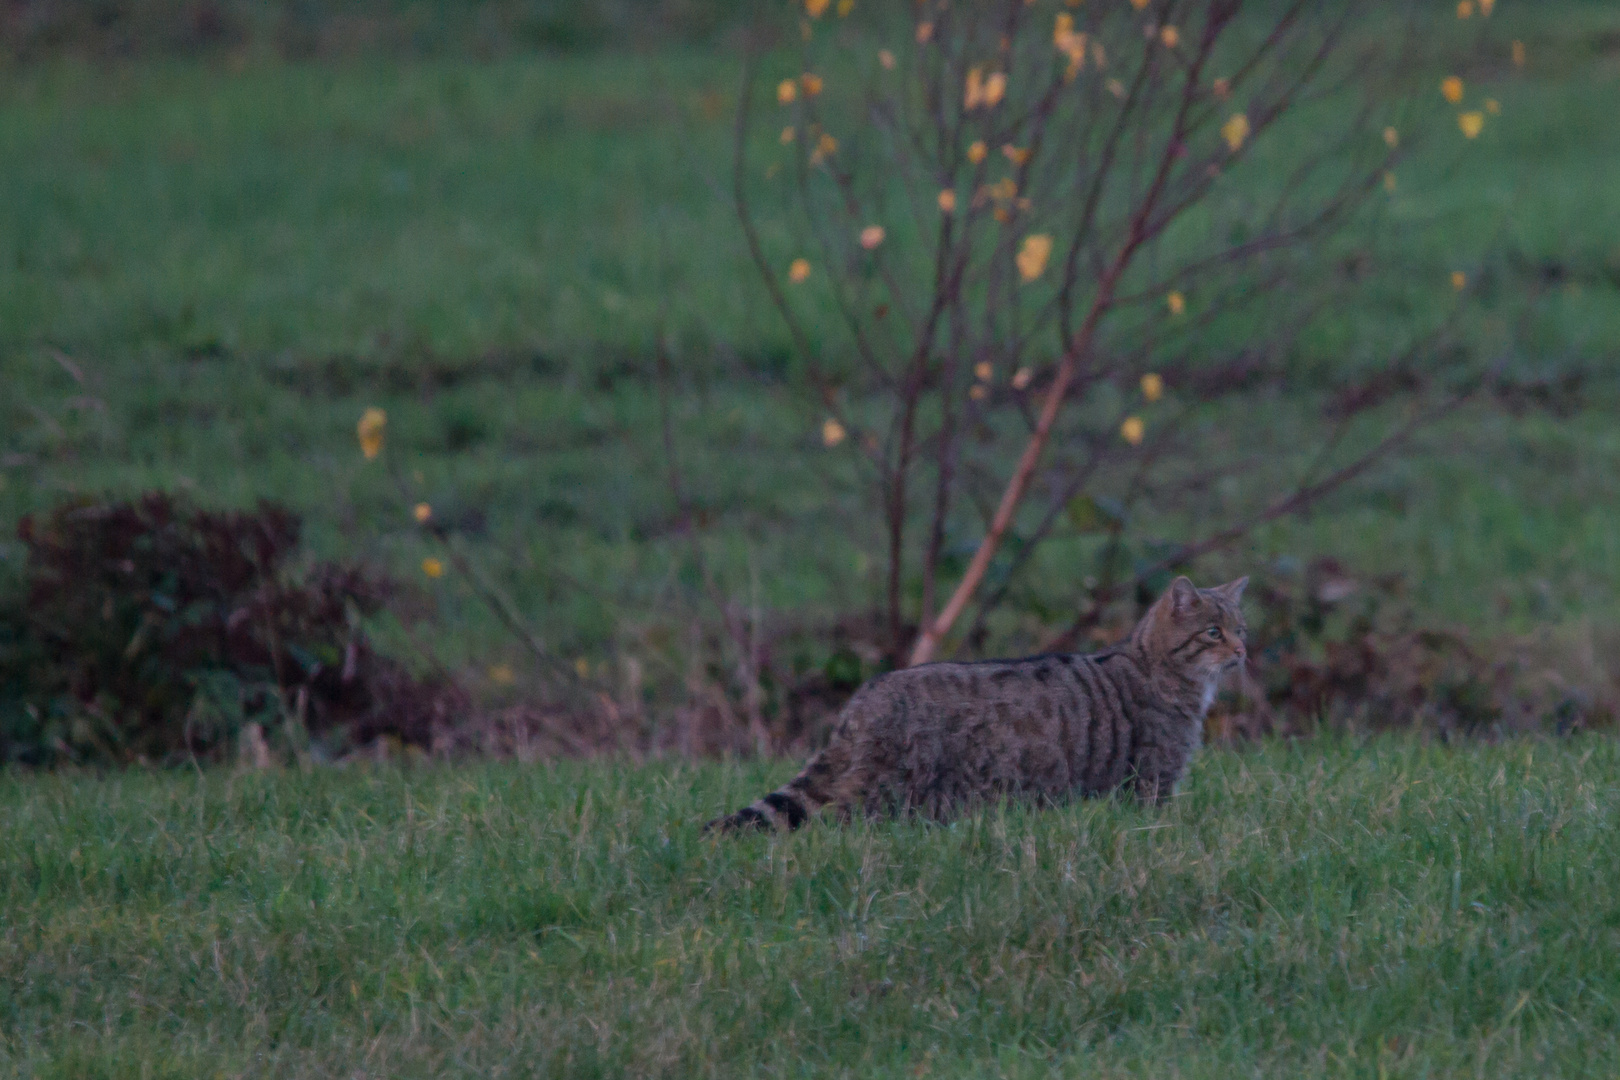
pixel 1214 633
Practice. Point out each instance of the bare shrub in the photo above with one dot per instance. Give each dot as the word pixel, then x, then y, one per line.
pixel 1032 255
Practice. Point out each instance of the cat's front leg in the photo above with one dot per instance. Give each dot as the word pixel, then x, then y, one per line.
pixel 1156 773
pixel 1154 790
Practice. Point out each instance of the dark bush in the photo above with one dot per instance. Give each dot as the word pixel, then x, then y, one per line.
pixel 153 630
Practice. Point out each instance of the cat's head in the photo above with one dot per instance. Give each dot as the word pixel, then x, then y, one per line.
pixel 1196 633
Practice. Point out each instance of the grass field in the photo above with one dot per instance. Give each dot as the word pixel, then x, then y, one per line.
pixel 239 261
pixel 1385 910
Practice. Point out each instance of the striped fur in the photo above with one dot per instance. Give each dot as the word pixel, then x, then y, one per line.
pixel 936 739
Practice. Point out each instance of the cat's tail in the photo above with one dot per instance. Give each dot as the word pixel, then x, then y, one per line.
pixel 795 802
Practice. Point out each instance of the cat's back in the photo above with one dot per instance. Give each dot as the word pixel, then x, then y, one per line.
pixel 953 687
pixel 956 689
pixel 950 732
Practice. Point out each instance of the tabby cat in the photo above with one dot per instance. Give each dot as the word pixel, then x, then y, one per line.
pixel 938 738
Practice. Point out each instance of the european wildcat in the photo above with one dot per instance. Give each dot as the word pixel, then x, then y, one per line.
pixel 937 738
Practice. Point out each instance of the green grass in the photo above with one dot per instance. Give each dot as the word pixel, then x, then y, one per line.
pixel 1326 909
pixel 241 261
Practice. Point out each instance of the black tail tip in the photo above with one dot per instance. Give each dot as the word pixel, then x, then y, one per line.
pixel 746 818
pixel 787 808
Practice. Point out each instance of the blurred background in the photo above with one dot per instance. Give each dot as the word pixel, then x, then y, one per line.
pixel 597 504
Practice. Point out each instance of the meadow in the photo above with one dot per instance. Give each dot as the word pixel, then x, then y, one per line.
pixel 210 267
pixel 1386 909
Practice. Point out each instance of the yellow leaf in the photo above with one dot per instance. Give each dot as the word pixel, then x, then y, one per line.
pixel 995 88
pixel 1459 280
pixel 977 151
pixel 501 674
pixel 1021 378
pixel 1152 386
pixel 1069 43
pixel 973 91
pixel 1452 88
pixel 1116 88
pixel 811 84
pixel 1465 9
pixel 832 433
pixel 886 58
pixel 1014 154
pixel 1471 123
pixel 1493 106
pixel 1132 430
pixel 1222 88
pixel 370 430
pixel 422 512
pixel 786 92
pixel 1170 36
pixel 1485 7
pixel 845 7
pixel 978 392
pixel 1235 131
pixel 947 201
pixel 1176 302
pixel 925 32
pixel 983 370
pixel 1389 182
pixel 582 668
pixel 1392 138
pixel 432 567
pixel 1518 54
pixel 788 134
pixel 1139 4
pixel 872 236
pixel 799 270
pixel 1032 256
pixel 827 144
pixel 815 8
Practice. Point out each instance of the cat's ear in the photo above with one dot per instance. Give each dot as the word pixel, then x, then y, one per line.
pixel 1183 596
pixel 1232 590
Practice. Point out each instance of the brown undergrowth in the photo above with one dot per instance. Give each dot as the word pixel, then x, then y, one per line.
pixel 154 631
pixel 1331 651
pixel 1335 650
